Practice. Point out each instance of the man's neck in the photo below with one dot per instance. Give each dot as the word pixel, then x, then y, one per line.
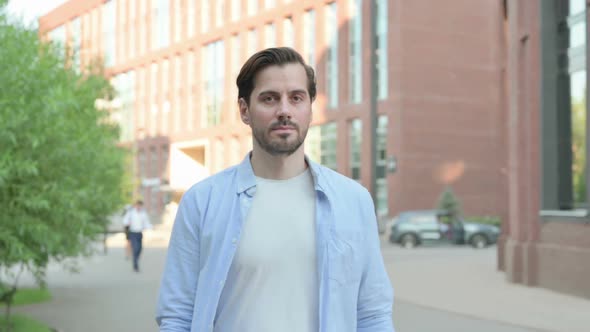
pixel 279 167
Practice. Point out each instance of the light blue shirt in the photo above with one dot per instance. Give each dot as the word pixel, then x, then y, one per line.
pixel 355 293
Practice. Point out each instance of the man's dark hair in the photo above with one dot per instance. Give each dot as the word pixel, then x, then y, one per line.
pixel 269 57
pixel 139 202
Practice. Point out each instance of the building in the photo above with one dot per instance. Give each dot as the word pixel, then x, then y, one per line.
pixel 440 88
pixel 547 237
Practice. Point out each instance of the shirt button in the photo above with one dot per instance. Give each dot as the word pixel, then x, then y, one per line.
pixel 234 240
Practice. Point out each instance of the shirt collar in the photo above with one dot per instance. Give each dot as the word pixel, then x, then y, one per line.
pixel 247 179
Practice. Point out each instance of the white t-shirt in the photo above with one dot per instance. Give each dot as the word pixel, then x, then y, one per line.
pixel 137 220
pixel 272 284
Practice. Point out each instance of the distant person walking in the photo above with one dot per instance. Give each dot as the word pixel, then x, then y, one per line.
pixel 127 241
pixel 137 221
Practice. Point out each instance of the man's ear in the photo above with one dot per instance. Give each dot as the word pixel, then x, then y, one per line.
pixel 244 112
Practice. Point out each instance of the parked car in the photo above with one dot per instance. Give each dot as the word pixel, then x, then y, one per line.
pixel 413 228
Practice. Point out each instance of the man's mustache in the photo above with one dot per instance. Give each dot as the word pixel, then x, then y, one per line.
pixel 285 123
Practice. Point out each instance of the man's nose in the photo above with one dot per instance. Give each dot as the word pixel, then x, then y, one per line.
pixel 285 108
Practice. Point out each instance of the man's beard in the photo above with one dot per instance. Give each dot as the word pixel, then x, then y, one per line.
pixel 280 146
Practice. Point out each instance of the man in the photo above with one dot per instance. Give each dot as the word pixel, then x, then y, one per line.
pixel 137 220
pixel 276 243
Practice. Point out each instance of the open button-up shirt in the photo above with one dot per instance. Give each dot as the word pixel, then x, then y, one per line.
pixel 355 293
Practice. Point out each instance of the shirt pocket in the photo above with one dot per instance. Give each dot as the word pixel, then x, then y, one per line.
pixel 344 257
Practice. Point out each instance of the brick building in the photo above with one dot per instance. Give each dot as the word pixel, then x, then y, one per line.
pixel 546 240
pixel 441 98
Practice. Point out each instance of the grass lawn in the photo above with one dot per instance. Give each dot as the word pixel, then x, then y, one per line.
pixel 26 296
pixel 22 323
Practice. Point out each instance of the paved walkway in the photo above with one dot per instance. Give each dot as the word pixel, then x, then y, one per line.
pixel 107 296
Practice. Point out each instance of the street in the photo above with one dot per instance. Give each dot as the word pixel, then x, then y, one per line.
pixel 437 289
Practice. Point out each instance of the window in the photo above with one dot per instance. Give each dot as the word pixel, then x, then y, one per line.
pixel 205 12
pixel 236 52
pixel 252 7
pixel 160 24
pixel 309 28
pixel 154 97
pixel 121 28
pixel 191 89
pixel 382 77
pixel 331 29
pixel 108 28
pixel 355 60
pixel 269 35
pixel 178 83
pixel 125 87
pixel 166 95
pixel 76 43
pixel 236 7
pixel 143 17
pixel 219 12
pixel 142 87
pixel 288 32
pixel 213 71
pixel 578 84
pixel 178 20
pixel 328 145
pixel 564 106
pixel 133 24
pixel 313 142
pixel 355 139
pixel 190 17
pixel 235 151
pixel 270 4
pixel 252 42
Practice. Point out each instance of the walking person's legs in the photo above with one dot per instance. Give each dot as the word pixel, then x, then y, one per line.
pixel 139 249
pixel 135 239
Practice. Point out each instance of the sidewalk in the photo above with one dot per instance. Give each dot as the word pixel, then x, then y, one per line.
pixel 107 296
pixel 465 281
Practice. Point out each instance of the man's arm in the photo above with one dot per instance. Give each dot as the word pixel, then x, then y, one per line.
pixel 179 281
pixel 375 301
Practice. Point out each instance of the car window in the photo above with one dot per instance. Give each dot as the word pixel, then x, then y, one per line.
pixel 423 219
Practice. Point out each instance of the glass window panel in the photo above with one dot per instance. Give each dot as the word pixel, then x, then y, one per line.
pixel 382 77
pixel 579 134
pixel 288 32
pixel 236 7
pixel 355 65
pixel 577 6
pixel 331 29
pixel 270 35
pixel 309 37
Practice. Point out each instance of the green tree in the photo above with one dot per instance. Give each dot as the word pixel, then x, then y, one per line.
pixel 448 202
pixel 61 171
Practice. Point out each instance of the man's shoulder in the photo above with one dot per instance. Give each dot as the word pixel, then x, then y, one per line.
pixel 336 182
pixel 217 180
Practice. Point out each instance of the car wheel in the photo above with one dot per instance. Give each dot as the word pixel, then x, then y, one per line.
pixel 408 241
pixel 479 241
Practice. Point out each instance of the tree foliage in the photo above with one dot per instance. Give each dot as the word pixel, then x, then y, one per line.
pixel 448 202
pixel 61 171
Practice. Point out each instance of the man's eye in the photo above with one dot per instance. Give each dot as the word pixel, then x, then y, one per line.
pixel 269 99
pixel 297 98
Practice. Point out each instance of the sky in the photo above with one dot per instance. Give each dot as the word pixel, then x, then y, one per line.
pixel 32 9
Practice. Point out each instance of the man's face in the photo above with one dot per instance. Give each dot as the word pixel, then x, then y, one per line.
pixel 280 109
